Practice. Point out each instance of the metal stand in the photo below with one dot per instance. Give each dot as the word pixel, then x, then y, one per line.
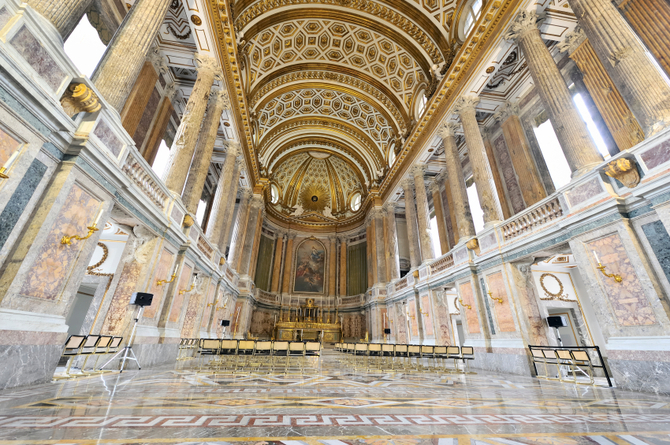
pixel 128 348
pixel 560 343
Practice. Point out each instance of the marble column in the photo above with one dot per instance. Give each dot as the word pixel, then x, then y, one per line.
pixel 202 158
pixel 422 213
pixel 138 98
pixel 448 209
pixel 343 267
pixel 520 153
pixel 63 14
pixel 288 264
pixel 570 129
pixel 481 170
pixel 650 19
pixel 159 125
pixel 439 217
pixel 276 268
pixel 120 65
pixel 222 211
pixel 499 185
pixel 370 249
pixel 255 247
pixel 393 259
pixel 181 152
pixel 229 222
pixel 242 218
pixel 410 217
pixel 380 245
pixel 625 59
pixel 332 266
pixel 620 121
pixel 531 320
pixel 255 207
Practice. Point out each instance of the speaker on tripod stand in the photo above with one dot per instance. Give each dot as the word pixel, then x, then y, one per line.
pixel 225 324
pixel 139 299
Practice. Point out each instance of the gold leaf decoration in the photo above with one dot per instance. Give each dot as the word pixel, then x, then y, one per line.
pixel 315 198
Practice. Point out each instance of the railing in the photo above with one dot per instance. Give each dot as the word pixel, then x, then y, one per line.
pixel 443 263
pixel 355 299
pixel 266 296
pixel 595 358
pixel 401 284
pixel 144 177
pixel 532 218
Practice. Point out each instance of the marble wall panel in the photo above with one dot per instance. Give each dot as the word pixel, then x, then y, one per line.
pixel 204 321
pixel 496 283
pixel 262 323
pixel 162 273
pixel 657 155
pixel 152 355
pixel 400 324
pixel 353 325
pixel 119 310
pixel 660 244
pixel 54 260
pixel 147 118
pixel 466 292
pixel 443 332
pixel 22 365
pixel 8 145
pixel 178 299
pixel 224 314
pixel 192 308
pixel 5 16
pixel 584 192
pixel 177 214
pixel 488 242
pixel 509 175
pixel 628 300
pixel 108 138
pixel 428 325
pixel 38 58
pixel 413 322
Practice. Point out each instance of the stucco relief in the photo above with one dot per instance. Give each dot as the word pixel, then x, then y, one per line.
pixel 401 324
pixel 52 265
pixel 442 330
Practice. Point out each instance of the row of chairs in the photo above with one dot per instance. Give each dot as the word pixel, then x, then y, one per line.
pixel 254 355
pixel 187 348
pixel 572 361
pixel 87 346
pixel 407 357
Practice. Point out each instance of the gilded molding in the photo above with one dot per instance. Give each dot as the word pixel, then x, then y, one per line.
pixel 625 171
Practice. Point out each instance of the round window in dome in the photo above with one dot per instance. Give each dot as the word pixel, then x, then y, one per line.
pixel 274 194
pixel 356 201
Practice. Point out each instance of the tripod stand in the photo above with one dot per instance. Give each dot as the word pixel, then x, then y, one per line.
pixel 128 349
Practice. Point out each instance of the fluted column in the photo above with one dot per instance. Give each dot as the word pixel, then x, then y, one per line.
pixel 256 245
pixel 221 210
pixel 529 179
pixel 422 217
pixel 255 207
pixel 439 217
pixel 579 149
pixel 228 222
pixel 393 254
pixel 650 19
pixel 380 245
pixel 620 121
pixel 288 264
pixel 343 266
pixel 448 209
pixel 370 250
pixel 625 59
pixel 276 267
pixel 202 159
pixel 410 217
pixel 242 219
pixel 481 170
pixel 460 203
pixel 185 141
pixel 63 14
pixel 332 266
pixel 116 72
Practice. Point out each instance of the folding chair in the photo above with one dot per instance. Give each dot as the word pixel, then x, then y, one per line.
pixel 71 349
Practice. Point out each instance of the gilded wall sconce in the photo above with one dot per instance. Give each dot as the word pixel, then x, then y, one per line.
pixel 601 268
pixel 460 300
pixel 162 282
pixel 183 291
pixel 498 299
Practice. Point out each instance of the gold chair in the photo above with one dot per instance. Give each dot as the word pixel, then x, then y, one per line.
pixel 414 352
pixel 71 349
pixel 454 352
pixel 279 349
pixel 551 358
pixel 402 353
pixel 440 353
pixel 467 355
pixel 581 359
pixel 88 349
pixel 101 348
pixel 538 358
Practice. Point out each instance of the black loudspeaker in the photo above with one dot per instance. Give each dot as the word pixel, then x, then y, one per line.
pixel 225 323
pixel 387 331
pixel 557 321
pixel 141 299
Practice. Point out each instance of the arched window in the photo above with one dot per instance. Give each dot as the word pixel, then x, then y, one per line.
pixel 420 104
pixel 274 194
pixel 470 15
pixel 356 202
pixel 391 155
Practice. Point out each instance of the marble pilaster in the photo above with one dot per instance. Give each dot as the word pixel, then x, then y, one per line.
pixel 202 158
pixel 288 261
pixel 650 19
pixel 343 267
pixel 481 170
pixel 138 98
pixel 410 217
pixel 498 180
pixel 181 152
pixel 159 125
pixel 423 219
pixel 625 59
pixel 393 259
pixel 370 250
pixel 332 265
pixel 222 211
pixel 439 217
pixel 276 268
pixel 247 254
pixel 229 222
pixel 380 245
pixel 456 180
pixel 242 218
pixel 570 129
pixel 125 55
pixel 63 14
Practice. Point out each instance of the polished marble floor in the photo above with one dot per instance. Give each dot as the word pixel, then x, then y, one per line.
pixel 330 403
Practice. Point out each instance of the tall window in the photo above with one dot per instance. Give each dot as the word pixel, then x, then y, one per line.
pixel 84 47
pixel 274 194
pixel 591 125
pixel 391 155
pixel 200 212
pixel 435 237
pixel 421 104
pixel 471 14
pixel 559 170
pixel 161 159
pixel 475 208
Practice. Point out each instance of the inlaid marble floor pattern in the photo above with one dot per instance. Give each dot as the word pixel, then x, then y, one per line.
pixel 329 405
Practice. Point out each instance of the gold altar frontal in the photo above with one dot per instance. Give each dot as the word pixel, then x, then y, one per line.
pixel 306 323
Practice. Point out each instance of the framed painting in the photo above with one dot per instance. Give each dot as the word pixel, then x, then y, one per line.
pixel 310 267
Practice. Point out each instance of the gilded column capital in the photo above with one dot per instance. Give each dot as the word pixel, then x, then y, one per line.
pixel 465 104
pixel 206 63
pixel 508 109
pixel 572 40
pixel 291 236
pixel 524 22
pixel 448 129
pixel 332 238
pixel 280 231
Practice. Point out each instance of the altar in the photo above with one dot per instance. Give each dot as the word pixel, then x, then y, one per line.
pixel 308 323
